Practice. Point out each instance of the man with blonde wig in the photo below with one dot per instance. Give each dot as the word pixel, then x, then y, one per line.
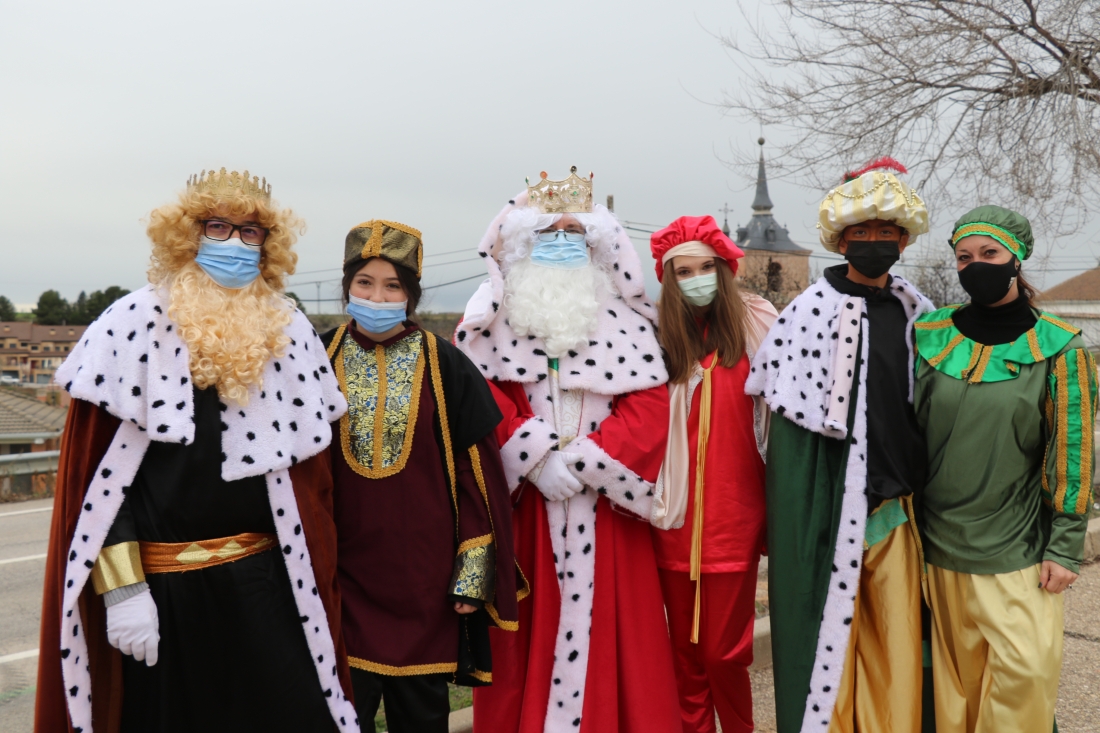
pixel 844 462
pixel 565 334
pixel 191 575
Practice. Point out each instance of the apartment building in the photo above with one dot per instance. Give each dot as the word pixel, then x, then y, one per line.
pixel 31 352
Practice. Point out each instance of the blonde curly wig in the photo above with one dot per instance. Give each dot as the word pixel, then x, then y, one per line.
pixel 231 334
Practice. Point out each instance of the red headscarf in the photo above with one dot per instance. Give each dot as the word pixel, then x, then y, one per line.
pixel 686 229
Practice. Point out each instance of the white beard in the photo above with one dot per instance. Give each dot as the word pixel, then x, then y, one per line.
pixel 559 306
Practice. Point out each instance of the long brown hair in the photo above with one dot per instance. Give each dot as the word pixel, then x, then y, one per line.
pixel 685 340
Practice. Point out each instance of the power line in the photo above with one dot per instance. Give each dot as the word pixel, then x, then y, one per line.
pixel 452 282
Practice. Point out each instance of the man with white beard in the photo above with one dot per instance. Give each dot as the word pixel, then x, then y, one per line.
pixel 565 334
pixel 191 574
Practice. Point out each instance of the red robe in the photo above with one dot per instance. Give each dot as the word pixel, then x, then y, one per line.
pixel 630 686
pixel 733 503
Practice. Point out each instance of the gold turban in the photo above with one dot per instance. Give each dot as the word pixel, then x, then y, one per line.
pixel 389 240
pixel 875 194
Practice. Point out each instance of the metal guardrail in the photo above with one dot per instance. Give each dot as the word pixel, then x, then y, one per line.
pixel 22 464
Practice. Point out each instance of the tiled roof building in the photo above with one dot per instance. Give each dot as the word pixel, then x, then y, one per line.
pixel 1078 301
pixel 31 352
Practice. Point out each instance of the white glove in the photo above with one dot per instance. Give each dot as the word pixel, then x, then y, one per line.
pixel 134 628
pixel 556 482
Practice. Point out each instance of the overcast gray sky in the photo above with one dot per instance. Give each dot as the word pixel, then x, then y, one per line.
pixel 426 113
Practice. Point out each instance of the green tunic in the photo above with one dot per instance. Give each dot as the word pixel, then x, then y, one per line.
pixel 1009 430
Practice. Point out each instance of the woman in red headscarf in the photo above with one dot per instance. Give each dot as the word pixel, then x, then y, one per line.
pixel 709 505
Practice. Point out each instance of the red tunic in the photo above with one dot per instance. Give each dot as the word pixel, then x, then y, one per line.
pixel 630 685
pixel 733 503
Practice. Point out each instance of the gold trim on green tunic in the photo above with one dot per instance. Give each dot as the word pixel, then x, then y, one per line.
pixel 946 349
pixel 382 387
pixel 116 566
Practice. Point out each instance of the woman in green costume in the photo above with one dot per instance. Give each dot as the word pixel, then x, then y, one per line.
pixel 1006 397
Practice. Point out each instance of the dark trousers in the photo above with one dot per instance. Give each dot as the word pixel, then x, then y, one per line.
pixel 414 704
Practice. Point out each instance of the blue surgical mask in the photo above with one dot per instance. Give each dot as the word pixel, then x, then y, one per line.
pixel 376 317
pixel 700 290
pixel 566 251
pixel 232 266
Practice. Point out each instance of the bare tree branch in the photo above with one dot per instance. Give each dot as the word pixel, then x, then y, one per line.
pixel 987 100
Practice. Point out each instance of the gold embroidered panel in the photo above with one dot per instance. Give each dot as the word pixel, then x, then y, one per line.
pixel 382 387
pixel 475 570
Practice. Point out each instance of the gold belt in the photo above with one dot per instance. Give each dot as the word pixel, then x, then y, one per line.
pixel 179 557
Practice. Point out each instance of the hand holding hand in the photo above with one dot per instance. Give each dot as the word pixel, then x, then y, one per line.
pixel 133 627
pixel 556 482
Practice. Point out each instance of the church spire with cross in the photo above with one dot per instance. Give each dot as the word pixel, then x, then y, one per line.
pixel 763 232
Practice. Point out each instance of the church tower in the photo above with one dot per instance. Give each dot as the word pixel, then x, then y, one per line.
pixel 774 266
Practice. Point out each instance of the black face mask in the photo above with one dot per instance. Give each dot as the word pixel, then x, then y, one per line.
pixel 873 259
pixel 986 283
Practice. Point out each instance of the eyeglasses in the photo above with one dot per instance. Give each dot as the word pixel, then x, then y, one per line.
pixel 221 231
pixel 569 236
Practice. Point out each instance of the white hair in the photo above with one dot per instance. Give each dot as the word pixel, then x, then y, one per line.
pixel 557 305
pixel 520 226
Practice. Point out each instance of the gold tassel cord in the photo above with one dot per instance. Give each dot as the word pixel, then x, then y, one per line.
pixel 697 522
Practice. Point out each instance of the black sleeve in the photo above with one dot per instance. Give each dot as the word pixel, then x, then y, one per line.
pixel 124 528
pixel 471 410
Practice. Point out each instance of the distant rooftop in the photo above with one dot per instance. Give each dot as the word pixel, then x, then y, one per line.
pixel 21 415
pixel 1085 286
pixel 763 232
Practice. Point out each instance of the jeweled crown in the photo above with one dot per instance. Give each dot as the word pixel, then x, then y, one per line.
pixel 571 196
pixel 229 184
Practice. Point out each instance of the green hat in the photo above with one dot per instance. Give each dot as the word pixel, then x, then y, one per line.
pixel 1007 227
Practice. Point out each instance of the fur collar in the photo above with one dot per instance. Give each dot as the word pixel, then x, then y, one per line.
pixel 133 364
pixel 794 369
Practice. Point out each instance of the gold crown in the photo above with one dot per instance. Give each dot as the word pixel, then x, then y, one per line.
pixel 229 184
pixel 571 196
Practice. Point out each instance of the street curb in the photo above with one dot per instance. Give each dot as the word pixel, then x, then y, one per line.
pixel 462 721
pixel 1092 540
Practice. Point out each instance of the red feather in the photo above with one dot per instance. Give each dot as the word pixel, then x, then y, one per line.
pixel 885 162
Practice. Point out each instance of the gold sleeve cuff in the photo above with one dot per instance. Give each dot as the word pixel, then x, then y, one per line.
pixel 475 569
pixel 116 566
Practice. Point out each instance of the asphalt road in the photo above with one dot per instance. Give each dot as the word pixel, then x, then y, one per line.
pixel 24 530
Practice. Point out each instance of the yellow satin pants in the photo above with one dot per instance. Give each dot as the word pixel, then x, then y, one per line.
pixel 880 690
pixel 996 651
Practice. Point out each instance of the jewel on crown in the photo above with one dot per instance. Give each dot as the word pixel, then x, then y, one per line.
pixel 571 196
pixel 229 184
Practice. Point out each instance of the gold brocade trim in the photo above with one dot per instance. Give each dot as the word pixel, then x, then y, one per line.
pixel 1061 468
pixel 936 325
pixel 396 404
pixel 116 566
pixel 1059 323
pixel 373 246
pixel 444 424
pixel 974 354
pixel 946 350
pixel 181 557
pixel 501 623
pixel 1088 411
pixel 486 677
pixel 986 352
pixel 525 591
pixel 485 539
pixel 1048 404
pixel 474 574
pixel 409 671
pixel 337 339
pixel 1033 345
